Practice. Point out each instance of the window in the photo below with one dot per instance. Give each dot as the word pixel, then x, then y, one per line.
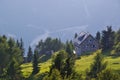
pixel 81 38
pixel 90 40
pixel 93 46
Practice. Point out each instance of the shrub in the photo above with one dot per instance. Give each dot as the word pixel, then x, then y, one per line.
pixel 108 75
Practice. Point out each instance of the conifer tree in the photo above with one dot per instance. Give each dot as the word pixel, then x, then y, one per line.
pixel 97 66
pixel 4 55
pixel 29 55
pixel 68 69
pixel 117 39
pixel 107 41
pixel 22 47
pixel 98 36
pixel 59 62
pixel 10 57
pixel 35 63
pixel 75 35
pixel 69 48
pixel 4 36
pixel 55 75
pixel 117 49
pixel 11 70
pixel 108 75
pixel 18 43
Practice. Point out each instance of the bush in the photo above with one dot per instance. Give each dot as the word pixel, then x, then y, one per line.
pixel 98 66
pixel 55 75
pixel 117 49
pixel 108 75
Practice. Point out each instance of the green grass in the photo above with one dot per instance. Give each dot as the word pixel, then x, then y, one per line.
pixel 27 68
pixel 81 65
pixel 113 63
pixel 84 63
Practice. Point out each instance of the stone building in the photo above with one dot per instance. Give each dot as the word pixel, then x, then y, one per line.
pixel 85 42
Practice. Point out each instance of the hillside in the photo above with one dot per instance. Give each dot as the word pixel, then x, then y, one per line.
pixel 27 68
pixel 81 65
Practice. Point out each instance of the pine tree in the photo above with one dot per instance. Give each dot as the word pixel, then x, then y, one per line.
pixel 75 35
pixel 111 35
pixel 117 49
pixel 22 47
pixel 18 43
pixel 68 69
pixel 10 57
pixel 59 62
pixel 117 39
pixel 4 36
pixel 69 48
pixel 11 43
pixel 107 41
pixel 4 55
pixel 49 45
pixel 97 66
pixel 55 75
pixel 11 70
pixel 29 55
pixel 108 75
pixel 35 63
pixel 98 36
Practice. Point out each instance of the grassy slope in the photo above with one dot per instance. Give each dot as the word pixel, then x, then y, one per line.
pixel 81 65
pixel 27 68
pixel 84 63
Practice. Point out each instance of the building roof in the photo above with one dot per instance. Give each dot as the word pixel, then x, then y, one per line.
pixel 81 37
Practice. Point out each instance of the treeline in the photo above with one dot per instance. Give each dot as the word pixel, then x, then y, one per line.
pixel 62 68
pixel 99 71
pixel 46 48
pixel 63 63
pixel 11 57
pixel 109 40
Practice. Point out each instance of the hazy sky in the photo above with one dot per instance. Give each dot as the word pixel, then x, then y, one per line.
pixel 37 19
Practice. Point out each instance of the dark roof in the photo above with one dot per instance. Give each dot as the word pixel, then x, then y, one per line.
pixel 81 37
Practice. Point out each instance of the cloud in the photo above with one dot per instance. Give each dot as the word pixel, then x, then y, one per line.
pixel 86 8
pixel 32 26
pixel 12 35
pixel 48 33
pixel 35 11
pixel 67 33
pixel 83 27
pixel 38 38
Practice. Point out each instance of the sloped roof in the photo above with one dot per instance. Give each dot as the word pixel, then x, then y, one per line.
pixel 81 37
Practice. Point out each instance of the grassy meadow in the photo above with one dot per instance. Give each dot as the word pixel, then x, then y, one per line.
pixel 81 65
